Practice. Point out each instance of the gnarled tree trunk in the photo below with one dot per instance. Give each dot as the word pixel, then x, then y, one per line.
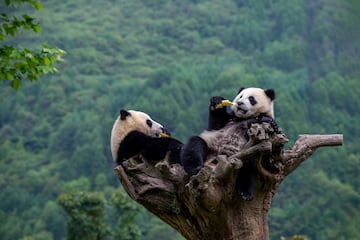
pixel 206 205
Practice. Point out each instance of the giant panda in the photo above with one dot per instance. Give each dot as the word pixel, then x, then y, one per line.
pixel 251 105
pixel 134 132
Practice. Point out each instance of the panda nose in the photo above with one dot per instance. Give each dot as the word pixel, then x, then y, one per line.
pixel 240 103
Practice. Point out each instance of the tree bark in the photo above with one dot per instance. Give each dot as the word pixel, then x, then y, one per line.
pixel 206 205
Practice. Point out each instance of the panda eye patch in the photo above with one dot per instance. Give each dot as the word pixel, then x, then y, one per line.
pixel 252 100
pixel 149 123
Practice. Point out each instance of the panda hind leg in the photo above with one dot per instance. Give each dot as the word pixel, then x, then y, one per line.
pixel 245 182
pixel 193 155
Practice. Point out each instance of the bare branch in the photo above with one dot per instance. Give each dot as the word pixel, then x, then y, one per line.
pixel 305 146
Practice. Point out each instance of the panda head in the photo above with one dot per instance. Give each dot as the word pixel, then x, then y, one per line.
pixel 251 102
pixel 131 120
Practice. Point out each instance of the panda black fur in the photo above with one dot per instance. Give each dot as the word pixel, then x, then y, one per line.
pixel 134 132
pixel 250 104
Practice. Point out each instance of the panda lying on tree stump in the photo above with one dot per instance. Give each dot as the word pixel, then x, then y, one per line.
pixel 251 105
pixel 134 133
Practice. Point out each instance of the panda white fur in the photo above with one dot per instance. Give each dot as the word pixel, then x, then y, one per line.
pixel 226 128
pixel 134 132
pixel 252 102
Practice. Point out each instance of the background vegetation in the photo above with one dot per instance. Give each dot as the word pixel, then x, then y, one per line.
pixel 167 58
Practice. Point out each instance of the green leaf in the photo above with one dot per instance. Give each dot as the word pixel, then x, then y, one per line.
pixel 36 28
pixel 9 76
pixel 15 84
pixel 29 55
pixel 4 17
pixel 27 18
pixel 38 6
pixel 47 61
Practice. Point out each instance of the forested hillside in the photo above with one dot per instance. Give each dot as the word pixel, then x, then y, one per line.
pixel 167 58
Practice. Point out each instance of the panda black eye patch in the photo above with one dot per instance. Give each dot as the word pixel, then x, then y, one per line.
pixel 149 123
pixel 252 100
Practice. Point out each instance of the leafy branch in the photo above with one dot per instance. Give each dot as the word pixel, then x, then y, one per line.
pixel 17 64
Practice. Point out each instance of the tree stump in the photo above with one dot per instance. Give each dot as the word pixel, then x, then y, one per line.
pixel 206 205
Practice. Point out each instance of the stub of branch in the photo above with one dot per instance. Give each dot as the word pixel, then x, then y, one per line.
pixel 305 146
pixel 321 140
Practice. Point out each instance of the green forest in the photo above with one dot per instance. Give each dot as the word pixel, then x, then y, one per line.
pixel 167 58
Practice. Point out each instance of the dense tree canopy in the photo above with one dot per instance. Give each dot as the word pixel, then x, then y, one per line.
pixel 168 58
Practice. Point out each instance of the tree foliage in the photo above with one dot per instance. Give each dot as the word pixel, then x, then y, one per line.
pixel 127 210
pixel 87 212
pixel 17 64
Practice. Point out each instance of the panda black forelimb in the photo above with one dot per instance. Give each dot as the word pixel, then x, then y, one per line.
pixel 218 117
pixel 153 149
pixel 130 146
pixel 270 120
pixel 193 155
pixel 156 149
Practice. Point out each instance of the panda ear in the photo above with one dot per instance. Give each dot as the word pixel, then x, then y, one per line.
pixel 270 93
pixel 124 114
pixel 242 88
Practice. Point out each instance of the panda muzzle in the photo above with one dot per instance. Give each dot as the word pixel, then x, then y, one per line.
pixel 165 133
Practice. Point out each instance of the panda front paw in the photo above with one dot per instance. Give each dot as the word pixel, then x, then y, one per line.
pixel 271 121
pixel 216 103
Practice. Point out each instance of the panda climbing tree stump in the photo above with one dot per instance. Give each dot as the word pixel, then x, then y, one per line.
pixel 206 205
